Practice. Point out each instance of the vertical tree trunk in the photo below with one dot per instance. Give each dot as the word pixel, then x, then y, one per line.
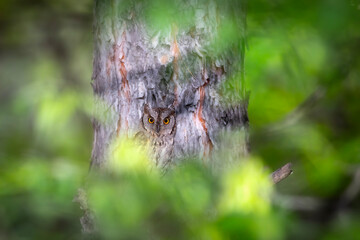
pixel 185 63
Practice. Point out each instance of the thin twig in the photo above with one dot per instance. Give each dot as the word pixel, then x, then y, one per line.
pixel 299 203
pixel 352 191
pixel 297 114
pixel 282 173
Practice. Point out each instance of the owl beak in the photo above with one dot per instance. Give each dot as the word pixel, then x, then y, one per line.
pixel 157 128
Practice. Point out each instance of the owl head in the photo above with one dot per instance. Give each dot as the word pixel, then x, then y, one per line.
pixel 159 121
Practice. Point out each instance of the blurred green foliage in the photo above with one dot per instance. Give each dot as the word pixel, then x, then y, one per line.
pixel 134 201
pixel 302 68
pixel 45 130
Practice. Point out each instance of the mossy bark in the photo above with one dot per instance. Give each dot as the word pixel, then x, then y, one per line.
pixel 184 58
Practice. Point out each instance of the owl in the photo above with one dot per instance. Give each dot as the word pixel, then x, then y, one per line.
pixel 158 129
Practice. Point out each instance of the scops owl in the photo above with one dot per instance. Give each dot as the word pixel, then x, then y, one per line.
pixel 159 128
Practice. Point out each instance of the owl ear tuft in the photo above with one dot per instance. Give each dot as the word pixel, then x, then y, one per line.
pixel 171 107
pixel 146 108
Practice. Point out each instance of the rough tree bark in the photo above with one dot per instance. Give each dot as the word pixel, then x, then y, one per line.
pixel 184 65
pixel 135 63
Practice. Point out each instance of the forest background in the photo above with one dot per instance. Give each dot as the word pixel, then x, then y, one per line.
pixel 302 69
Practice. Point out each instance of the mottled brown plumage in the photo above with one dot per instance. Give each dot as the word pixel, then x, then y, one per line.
pixel 158 130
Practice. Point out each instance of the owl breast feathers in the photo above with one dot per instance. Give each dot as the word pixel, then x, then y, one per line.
pixel 159 128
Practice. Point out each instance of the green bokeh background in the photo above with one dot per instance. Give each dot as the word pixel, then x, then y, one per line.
pixel 302 70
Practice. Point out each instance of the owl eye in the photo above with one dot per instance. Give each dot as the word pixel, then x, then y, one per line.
pixel 151 120
pixel 166 120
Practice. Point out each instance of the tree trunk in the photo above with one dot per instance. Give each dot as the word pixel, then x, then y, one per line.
pixel 181 54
